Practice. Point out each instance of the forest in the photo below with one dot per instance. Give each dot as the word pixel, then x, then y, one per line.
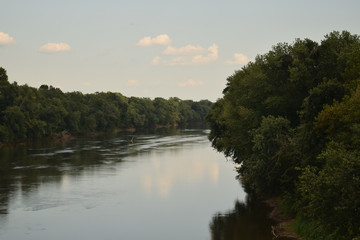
pixel 291 120
pixel 29 113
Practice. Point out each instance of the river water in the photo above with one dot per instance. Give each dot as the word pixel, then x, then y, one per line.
pixel 163 185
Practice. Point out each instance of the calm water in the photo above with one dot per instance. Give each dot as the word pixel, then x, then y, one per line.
pixel 166 185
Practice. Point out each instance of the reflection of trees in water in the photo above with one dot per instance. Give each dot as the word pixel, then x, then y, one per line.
pixel 25 167
pixel 4 195
pixel 247 221
pixel 5 182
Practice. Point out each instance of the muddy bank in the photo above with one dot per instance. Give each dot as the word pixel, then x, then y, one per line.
pixel 281 229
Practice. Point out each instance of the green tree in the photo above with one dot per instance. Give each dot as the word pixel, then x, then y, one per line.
pixel 14 120
pixel 340 122
pixel 167 111
pixel 331 195
pixel 27 112
pixel 7 92
pixel 271 168
pixel 309 151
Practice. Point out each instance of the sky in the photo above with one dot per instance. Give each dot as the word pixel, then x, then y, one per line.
pixel 158 48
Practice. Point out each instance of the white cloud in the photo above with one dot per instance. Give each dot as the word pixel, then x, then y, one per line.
pixel 211 56
pixel 156 60
pixel 238 59
pixel 133 82
pixel 6 39
pixel 188 49
pixel 187 55
pixel 162 39
pixel 190 83
pixel 180 56
pixel 55 47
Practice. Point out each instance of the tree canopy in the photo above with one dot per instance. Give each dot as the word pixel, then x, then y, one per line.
pixel 291 119
pixel 27 112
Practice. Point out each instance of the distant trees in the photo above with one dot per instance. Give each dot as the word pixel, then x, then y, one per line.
pixel 27 112
pixel 291 119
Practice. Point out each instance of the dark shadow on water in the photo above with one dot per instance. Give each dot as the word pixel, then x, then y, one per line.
pixel 247 221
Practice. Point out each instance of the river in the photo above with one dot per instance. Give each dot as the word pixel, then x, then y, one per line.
pixel 162 185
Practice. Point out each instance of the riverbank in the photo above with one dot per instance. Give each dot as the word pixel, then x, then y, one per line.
pixel 66 136
pixel 282 228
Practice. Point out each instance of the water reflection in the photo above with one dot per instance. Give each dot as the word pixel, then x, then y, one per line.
pixel 157 185
pixel 161 176
pixel 247 221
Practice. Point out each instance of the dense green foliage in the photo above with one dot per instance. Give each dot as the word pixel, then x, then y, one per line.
pixel 27 112
pixel 291 119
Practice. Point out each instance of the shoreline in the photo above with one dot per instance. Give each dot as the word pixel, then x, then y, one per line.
pixel 66 136
pixel 281 229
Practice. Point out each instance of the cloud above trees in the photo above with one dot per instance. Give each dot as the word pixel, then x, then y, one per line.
pixel 238 59
pixel 162 39
pixel 6 39
pixel 188 49
pixel 180 56
pixel 211 55
pixel 55 48
pixel 187 55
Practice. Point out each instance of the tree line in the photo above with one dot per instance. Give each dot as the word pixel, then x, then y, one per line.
pixel 291 119
pixel 27 112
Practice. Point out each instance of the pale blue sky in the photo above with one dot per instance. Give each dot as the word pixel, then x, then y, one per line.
pixel 95 45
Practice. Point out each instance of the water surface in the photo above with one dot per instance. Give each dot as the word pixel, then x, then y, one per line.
pixel 163 185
